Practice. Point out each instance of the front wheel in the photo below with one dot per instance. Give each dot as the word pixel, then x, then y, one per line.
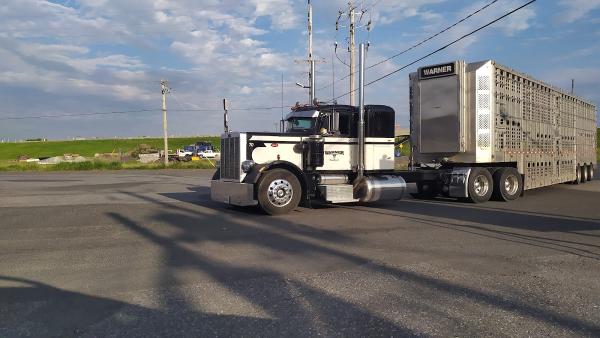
pixel 480 185
pixel 279 192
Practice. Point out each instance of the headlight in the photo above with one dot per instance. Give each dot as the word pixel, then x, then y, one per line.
pixel 247 165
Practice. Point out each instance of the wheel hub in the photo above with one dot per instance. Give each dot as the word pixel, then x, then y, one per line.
pixel 280 192
pixel 511 184
pixel 481 185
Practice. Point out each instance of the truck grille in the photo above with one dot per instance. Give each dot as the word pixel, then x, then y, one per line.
pixel 230 158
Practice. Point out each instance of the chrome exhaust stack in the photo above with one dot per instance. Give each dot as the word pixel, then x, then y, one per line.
pixel 379 187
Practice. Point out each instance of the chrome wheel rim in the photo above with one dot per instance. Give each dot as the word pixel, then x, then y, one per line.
pixel 280 193
pixel 481 185
pixel 511 184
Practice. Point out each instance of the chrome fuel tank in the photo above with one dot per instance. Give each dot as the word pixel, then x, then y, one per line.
pixel 380 188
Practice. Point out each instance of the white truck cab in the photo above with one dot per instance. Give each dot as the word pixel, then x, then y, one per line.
pixel 315 159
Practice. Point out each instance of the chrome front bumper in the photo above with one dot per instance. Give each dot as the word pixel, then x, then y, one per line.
pixel 234 193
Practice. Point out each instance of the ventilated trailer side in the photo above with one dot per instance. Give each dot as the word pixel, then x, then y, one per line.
pixel 484 114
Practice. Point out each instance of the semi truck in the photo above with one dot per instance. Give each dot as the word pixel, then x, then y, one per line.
pixel 477 131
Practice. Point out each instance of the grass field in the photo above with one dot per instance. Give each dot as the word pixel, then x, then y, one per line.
pixel 9 152
pixel 102 165
pixel 87 148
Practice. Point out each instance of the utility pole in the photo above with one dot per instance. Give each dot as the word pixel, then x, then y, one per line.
pixel 351 50
pixel 572 86
pixel 225 116
pixel 282 127
pixel 165 90
pixel 311 60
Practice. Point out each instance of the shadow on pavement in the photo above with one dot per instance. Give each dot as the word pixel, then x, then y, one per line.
pixel 305 303
pixel 285 304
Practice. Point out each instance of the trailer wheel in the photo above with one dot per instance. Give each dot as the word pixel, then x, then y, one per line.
pixel 577 175
pixel 508 184
pixel 480 185
pixel 279 192
pixel 590 172
pixel 584 174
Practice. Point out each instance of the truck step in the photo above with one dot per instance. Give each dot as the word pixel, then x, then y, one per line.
pixel 338 193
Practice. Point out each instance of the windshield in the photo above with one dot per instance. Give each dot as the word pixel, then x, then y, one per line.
pixel 300 124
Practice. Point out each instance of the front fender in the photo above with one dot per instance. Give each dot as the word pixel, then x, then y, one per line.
pixel 254 174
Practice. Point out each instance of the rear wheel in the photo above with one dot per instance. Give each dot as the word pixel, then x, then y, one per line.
pixel 480 185
pixel 590 172
pixel 508 184
pixel 584 174
pixel 279 192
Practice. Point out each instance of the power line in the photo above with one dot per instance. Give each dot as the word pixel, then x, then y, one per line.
pixel 136 111
pixel 419 43
pixel 433 36
pixel 236 109
pixel 79 114
pixel 444 47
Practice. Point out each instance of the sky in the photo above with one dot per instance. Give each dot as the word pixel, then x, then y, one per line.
pixel 101 56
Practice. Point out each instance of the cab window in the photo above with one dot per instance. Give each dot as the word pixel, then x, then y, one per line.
pixel 296 124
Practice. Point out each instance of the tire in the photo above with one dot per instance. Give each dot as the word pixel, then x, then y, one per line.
pixel 590 172
pixel 217 175
pixel 508 184
pixel 577 175
pixel 279 192
pixel 584 174
pixel 427 190
pixel 480 185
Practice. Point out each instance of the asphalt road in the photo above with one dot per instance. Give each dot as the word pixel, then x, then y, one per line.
pixel 135 253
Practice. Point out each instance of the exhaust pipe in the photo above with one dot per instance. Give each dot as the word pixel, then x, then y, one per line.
pixel 375 187
pixel 361 113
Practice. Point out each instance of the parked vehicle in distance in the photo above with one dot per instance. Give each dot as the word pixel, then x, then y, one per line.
pixel 186 151
pixel 203 146
pixel 207 154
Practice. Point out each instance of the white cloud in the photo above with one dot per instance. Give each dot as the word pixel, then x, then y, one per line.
pixel 577 9
pixel 390 11
pixel 282 13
